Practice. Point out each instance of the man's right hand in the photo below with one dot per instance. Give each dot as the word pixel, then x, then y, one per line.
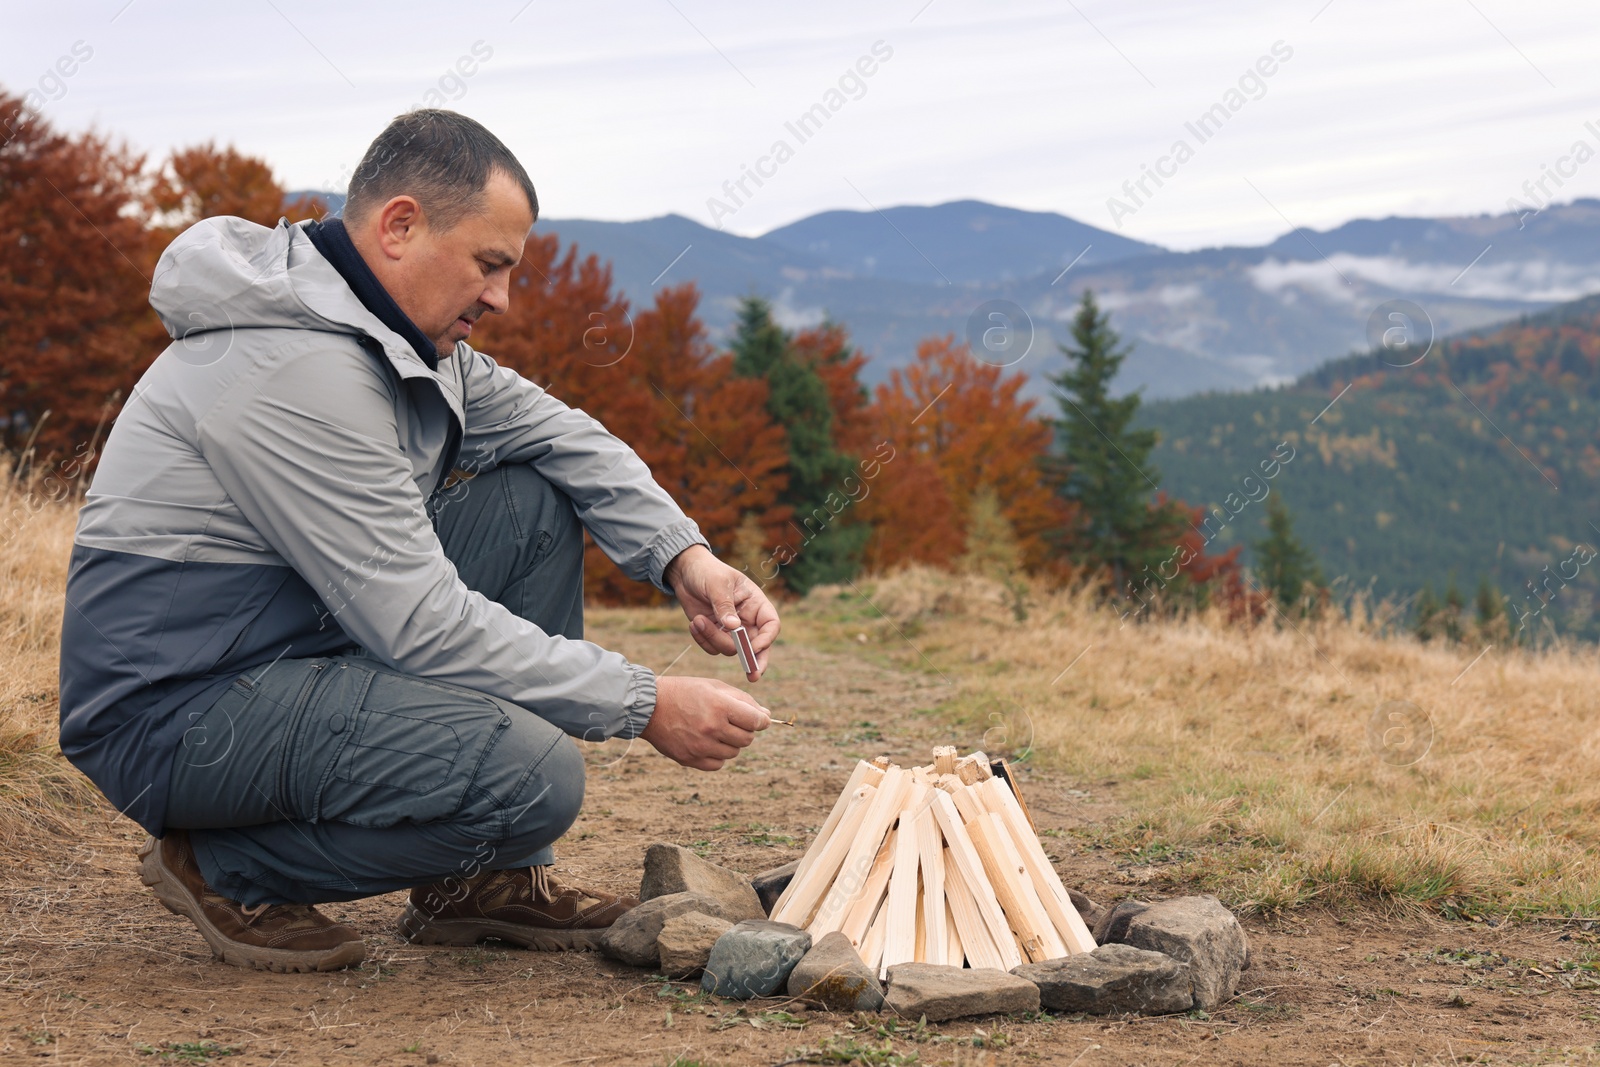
pixel 703 723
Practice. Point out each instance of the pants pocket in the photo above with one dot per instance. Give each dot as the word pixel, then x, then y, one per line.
pixel 405 752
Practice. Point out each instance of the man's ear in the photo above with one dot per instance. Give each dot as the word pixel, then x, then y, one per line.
pixel 398 223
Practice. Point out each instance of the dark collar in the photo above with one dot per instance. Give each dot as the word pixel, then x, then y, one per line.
pixel 331 239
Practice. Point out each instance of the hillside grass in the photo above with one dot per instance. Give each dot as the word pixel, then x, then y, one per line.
pixel 1243 759
pixel 1240 758
pixel 40 792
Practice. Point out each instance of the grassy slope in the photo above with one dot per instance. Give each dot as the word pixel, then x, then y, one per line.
pixel 1242 756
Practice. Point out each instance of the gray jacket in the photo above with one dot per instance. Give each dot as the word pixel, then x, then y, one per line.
pixel 265 492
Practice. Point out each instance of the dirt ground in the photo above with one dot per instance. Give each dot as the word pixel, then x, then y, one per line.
pixel 93 970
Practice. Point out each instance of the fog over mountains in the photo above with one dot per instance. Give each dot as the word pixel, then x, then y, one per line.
pixel 1227 318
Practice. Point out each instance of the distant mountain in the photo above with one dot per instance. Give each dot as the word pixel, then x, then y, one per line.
pixel 1480 461
pixel 966 241
pixel 1219 319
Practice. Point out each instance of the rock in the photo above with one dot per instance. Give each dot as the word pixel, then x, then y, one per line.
pixel 1200 932
pixel 833 975
pixel 632 938
pixel 674 869
pixel 927 989
pixel 1088 910
pixel 754 959
pixel 769 885
pixel 1113 923
pixel 1112 980
pixel 685 942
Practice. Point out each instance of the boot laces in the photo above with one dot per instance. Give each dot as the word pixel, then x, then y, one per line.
pixel 259 911
pixel 544 886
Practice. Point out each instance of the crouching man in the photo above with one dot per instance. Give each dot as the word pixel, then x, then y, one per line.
pixel 303 651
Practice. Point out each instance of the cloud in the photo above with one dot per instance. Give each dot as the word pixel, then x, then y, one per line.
pixel 1539 280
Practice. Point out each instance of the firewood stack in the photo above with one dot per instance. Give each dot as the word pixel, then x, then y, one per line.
pixel 935 864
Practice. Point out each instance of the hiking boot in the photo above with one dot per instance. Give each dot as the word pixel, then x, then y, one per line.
pixel 525 906
pixel 268 937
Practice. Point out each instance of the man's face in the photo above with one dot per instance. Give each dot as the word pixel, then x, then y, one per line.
pixel 444 280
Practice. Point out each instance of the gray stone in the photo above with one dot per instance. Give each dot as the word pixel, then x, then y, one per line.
pixel 1088 910
pixel 672 869
pixel 833 975
pixel 1113 923
pixel 685 942
pixel 1112 980
pixel 769 885
pixel 632 938
pixel 754 959
pixel 918 990
pixel 1200 932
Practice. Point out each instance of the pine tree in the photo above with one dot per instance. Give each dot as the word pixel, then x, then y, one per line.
pixel 1286 565
pixel 1102 463
pixel 1427 614
pixel 827 541
pixel 1454 608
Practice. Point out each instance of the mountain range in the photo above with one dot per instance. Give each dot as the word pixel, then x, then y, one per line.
pixel 1217 319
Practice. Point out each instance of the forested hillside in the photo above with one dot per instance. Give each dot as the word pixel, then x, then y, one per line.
pixel 1478 462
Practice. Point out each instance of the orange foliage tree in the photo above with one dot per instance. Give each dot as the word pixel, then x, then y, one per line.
pixel 75 266
pixel 958 426
pixel 652 379
pixel 205 181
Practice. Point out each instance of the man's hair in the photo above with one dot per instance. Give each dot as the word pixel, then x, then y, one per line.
pixel 442 158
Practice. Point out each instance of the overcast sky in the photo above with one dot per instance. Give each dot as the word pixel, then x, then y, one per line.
pixel 627 110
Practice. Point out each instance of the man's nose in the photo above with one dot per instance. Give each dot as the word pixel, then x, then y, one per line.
pixel 496 296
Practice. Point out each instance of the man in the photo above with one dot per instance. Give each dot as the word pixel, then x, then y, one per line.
pixel 323 632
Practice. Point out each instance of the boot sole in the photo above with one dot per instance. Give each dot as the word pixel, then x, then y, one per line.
pixel 416 927
pixel 177 899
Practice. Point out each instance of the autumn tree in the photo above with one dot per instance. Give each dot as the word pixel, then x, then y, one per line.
pixel 75 267
pixel 959 427
pixel 654 380
pixel 204 181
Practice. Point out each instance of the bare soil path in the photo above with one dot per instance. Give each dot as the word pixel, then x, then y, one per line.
pixel 93 970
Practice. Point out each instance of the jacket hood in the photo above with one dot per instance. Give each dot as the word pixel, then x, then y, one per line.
pixel 227 273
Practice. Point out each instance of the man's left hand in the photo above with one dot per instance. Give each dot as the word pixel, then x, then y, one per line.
pixel 717 599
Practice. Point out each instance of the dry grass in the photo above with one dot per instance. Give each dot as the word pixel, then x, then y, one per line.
pixel 39 789
pixel 1244 757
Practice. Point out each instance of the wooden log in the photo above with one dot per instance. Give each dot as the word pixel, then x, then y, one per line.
pixel 807 892
pixel 1002 769
pixel 930 849
pixel 967 771
pixel 976 941
pixel 900 933
pixel 872 947
pixel 953 954
pixel 851 880
pixel 859 919
pixel 921 954
pixel 944 759
pixel 864 774
pixel 972 873
pixel 1020 920
pixel 1039 919
pixel 1053 896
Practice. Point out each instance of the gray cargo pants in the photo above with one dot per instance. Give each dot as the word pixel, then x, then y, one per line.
pixel 336 777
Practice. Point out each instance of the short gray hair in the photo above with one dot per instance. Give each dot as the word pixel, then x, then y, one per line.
pixel 442 158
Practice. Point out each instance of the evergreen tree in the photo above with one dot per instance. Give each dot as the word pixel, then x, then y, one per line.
pixel 1454 608
pixel 1286 565
pixel 1102 463
pixel 1428 610
pixel 826 541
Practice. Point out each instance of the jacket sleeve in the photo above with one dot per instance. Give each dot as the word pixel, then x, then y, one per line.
pixel 308 448
pixel 512 420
